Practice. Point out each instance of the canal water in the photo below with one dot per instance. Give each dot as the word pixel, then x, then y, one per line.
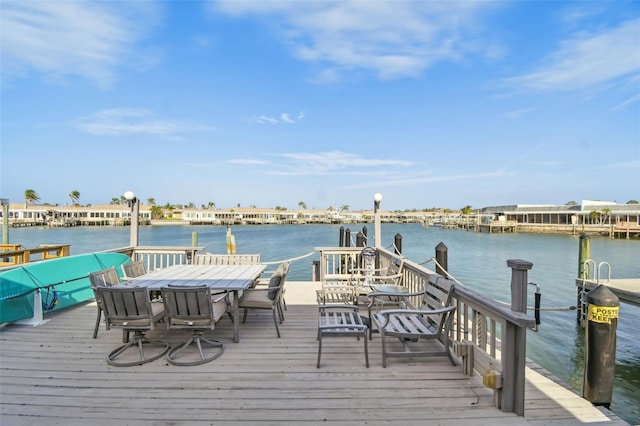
pixel 478 260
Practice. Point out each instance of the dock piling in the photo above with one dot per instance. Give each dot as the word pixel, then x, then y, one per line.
pixel 442 262
pixel 600 345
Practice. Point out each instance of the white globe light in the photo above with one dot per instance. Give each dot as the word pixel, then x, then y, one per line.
pixel 377 197
pixel 129 195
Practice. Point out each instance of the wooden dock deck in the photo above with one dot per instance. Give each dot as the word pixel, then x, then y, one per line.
pixel 56 373
pixel 627 289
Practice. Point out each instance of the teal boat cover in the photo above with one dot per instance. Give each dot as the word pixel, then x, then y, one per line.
pixel 62 282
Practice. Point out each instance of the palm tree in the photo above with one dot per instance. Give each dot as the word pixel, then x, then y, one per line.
pixel 632 202
pixel 606 212
pixel 211 205
pixel 302 205
pixel 115 200
pixel 74 196
pixel 156 212
pixel 344 208
pixel 151 201
pixel 30 196
pixel 466 210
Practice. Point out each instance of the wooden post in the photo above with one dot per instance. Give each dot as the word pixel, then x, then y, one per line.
pixel 583 255
pixel 194 239
pixel 341 237
pixel 347 237
pixel 397 243
pixel 441 259
pixel 360 240
pixel 515 342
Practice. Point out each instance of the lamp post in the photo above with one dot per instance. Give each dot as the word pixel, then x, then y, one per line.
pixel 377 198
pixel 5 220
pixel 134 203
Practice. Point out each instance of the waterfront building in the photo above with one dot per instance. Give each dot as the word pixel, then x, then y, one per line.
pixel 592 217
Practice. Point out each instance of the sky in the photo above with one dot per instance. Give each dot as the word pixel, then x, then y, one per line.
pixel 274 103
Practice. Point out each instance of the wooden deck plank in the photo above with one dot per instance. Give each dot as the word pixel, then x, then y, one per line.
pixel 57 374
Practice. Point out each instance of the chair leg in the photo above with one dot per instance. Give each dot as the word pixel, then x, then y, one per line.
pixel 280 312
pixel 138 340
pixel 197 340
pixel 366 348
pixel 95 331
pixel 384 349
pixel 319 348
pixel 275 320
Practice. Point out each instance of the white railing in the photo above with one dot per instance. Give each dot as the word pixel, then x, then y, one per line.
pixel 161 257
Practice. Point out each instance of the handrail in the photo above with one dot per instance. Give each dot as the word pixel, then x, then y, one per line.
pixel 488 337
pixel 46 251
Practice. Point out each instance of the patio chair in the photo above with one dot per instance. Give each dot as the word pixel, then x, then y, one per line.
pixel 431 321
pixel 104 278
pixel 131 310
pixel 134 269
pixel 337 320
pixel 267 297
pixel 192 308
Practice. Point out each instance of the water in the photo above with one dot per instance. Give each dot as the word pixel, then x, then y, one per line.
pixel 478 260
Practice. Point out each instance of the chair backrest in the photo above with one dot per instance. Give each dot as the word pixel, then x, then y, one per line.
pixel 104 278
pixel 278 279
pixel 188 308
pixel 226 259
pixel 438 295
pixel 134 269
pixel 129 308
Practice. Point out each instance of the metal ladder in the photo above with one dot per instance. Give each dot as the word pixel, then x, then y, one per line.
pixel 589 268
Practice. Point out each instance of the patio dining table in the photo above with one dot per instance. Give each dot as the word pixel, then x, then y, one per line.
pixel 230 278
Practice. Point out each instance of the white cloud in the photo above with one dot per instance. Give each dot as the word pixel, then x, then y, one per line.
pixel 285 117
pixel 632 100
pixel 248 162
pixel 391 38
pixel 633 164
pixel 63 38
pixel 128 121
pixel 323 163
pixel 586 59
pixel 263 119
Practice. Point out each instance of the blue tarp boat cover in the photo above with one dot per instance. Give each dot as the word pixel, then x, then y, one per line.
pixel 63 282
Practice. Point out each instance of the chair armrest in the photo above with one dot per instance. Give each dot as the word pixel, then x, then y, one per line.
pixel 261 288
pixel 422 312
pixel 338 308
pixel 218 297
pixel 417 311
